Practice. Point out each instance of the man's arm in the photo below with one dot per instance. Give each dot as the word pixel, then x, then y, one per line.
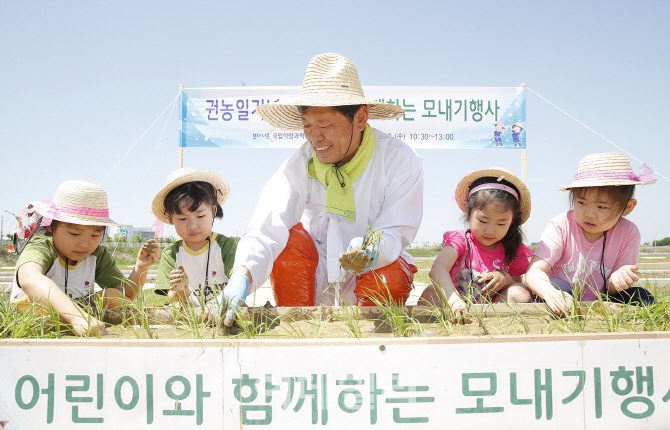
pixel 401 212
pixel 280 207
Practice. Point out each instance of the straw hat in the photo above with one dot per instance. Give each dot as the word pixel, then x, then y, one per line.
pixel 330 80
pixel 516 125
pixel 463 188
pixel 78 202
pixel 500 124
pixel 183 176
pixel 606 168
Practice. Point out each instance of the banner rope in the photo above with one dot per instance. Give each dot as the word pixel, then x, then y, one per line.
pixel 154 153
pixel 137 141
pixel 598 134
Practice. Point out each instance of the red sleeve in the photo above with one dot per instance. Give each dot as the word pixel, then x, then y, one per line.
pixel 455 239
pixel 520 264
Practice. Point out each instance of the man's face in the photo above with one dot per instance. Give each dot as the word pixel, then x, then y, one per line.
pixel 330 134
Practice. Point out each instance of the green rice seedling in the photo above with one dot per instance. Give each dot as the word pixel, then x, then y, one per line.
pixel 292 327
pixel 255 323
pixel 318 325
pixel 350 317
pixel 393 313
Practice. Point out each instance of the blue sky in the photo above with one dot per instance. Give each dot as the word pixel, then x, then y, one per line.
pixel 83 80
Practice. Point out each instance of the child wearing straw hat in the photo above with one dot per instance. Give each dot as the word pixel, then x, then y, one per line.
pixel 487 260
pixel 590 252
pixel 64 261
pixel 198 266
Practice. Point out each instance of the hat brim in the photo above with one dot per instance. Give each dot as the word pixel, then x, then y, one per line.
pixel 463 189
pixel 285 115
pixel 220 185
pixel 583 183
pixel 86 220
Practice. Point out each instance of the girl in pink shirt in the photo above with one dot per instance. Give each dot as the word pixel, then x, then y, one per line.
pixel 591 251
pixel 487 260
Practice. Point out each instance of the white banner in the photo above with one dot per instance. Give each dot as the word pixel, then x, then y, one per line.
pixel 435 117
pixel 617 381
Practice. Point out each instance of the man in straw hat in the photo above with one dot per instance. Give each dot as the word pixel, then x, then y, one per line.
pixel 320 202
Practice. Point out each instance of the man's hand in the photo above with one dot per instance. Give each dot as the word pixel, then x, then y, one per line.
pixel 622 279
pixel 234 295
pixel 495 281
pixel 357 259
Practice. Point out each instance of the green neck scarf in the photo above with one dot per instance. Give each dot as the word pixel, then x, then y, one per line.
pixel 340 198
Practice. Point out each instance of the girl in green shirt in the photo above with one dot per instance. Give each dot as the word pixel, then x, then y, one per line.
pixel 61 267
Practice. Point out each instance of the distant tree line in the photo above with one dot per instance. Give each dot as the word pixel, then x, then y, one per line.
pixel 662 242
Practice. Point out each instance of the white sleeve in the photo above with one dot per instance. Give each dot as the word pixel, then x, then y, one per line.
pixel 402 210
pixel 279 208
pixel 20 232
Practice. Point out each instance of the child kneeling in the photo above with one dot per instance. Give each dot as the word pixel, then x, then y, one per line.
pixel 486 261
pixel 197 267
pixel 590 252
pixel 63 261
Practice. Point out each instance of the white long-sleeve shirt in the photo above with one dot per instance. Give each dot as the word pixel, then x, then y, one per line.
pixel 388 196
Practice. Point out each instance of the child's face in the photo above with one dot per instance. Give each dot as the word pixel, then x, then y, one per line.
pixel 194 227
pixel 516 129
pixel 596 214
pixel 489 225
pixel 74 241
pixel 498 127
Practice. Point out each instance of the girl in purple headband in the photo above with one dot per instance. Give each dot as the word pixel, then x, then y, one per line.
pixel 487 260
pixel 590 253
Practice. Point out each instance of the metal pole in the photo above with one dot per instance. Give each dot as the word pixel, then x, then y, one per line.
pixel 180 154
pixel 2 233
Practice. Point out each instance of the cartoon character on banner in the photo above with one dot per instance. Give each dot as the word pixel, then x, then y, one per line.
pixel 497 135
pixel 517 137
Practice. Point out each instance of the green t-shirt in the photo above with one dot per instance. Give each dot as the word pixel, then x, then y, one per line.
pixel 97 268
pixel 221 260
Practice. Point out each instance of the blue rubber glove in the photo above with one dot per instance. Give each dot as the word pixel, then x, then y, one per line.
pixel 368 252
pixel 234 295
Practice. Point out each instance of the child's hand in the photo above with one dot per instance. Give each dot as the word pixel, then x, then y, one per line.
pixel 559 302
pixel 457 307
pixel 623 278
pixel 82 327
pixel 149 253
pixel 495 281
pixel 179 280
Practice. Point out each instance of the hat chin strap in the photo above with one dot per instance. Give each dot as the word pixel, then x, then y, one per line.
pixel 338 174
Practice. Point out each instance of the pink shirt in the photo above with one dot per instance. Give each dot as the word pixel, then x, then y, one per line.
pixel 577 262
pixel 481 259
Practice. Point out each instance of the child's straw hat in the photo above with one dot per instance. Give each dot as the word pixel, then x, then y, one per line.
pixel 183 176
pixel 607 168
pixel 498 173
pixel 77 202
pixel 500 124
pixel 330 80
pixel 517 125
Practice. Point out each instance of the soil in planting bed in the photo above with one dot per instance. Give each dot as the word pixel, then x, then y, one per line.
pixel 373 322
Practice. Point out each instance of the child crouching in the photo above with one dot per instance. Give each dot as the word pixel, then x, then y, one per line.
pixel 64 261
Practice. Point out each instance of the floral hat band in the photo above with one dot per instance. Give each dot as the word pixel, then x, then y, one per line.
pixel 494 186
pixel 605 174
pixel 50 211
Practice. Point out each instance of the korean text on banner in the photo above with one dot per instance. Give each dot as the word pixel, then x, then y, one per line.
pixel 435 117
